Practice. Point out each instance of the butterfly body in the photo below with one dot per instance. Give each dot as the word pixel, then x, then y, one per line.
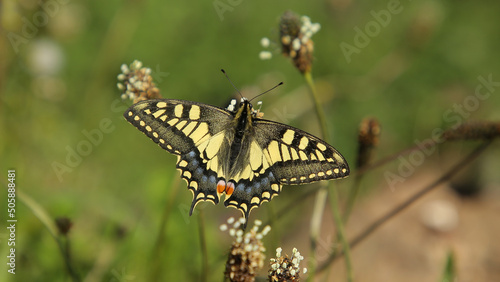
pixel 233 152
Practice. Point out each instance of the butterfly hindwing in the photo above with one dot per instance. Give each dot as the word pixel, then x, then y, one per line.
pixel 255 185
pixel 201 180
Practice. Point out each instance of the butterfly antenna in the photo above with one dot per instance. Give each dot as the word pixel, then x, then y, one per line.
pixel 281 83
pixel 224 72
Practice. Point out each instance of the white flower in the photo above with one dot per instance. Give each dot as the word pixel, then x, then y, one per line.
pixel 136 64
pixel 239 233
pixel 315 27
pixel 264 42
pixel 266 230
pixel 296 44
pixel 124 68
pixel 278 252
pixel 265 55
pixel 305 19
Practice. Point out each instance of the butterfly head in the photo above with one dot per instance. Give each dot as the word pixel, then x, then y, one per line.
pixel 243 108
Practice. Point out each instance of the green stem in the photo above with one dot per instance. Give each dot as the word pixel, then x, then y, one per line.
pixel 351 198
pixel 66 249
pixel 203 246
pixel 49 223
pixel 322 195
pixel 316 218
pixel 340 231
pixel 157 263
pixel 317 106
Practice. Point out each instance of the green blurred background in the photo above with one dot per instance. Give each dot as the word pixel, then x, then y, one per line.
pixel 58 80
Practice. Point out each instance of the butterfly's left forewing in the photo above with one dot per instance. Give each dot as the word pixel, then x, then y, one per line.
pixel 192 131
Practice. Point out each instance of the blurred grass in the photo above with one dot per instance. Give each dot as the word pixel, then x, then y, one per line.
pixel 424 61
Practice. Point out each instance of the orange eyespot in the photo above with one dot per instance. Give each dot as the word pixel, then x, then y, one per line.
pixel 230 188
pixel 221 186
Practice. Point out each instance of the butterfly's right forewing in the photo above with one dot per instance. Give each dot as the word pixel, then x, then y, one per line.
pixel 298 157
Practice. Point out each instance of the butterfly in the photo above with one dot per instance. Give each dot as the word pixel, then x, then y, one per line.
pixel 233 151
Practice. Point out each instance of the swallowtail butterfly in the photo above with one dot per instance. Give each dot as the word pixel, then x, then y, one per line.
pixel 234 152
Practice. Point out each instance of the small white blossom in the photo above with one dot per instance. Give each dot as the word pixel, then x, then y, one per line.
pixel 266 230
pixel 296 44
pixel 237 225
pixel 239 233
pixel 265 55
pixel 315 27
pixel 265 42
pixel 305 19
pixel 125 69
pixel 137 64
